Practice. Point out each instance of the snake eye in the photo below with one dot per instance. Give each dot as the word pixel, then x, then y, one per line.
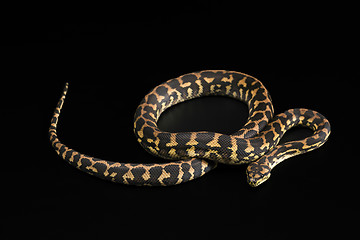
pixel 252 181
pixel 256 181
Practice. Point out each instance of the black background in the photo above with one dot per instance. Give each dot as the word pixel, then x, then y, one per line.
pixel 306 56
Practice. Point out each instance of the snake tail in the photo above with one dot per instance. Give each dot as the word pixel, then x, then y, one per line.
pixel 152 174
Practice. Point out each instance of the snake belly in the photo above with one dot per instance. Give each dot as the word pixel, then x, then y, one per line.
pixel 193 154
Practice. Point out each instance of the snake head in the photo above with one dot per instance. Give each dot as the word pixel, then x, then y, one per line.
pixel 257 173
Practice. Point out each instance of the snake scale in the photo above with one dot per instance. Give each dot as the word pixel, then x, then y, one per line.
pixel 193 154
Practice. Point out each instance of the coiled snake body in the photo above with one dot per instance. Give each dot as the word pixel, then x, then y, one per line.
pixel 196 153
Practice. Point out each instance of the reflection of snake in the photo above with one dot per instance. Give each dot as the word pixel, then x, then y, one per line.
pixel 198 152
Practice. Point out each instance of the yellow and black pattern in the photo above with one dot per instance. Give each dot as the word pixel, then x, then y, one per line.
pixel 198 152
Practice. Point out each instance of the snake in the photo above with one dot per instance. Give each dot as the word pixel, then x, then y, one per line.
pixel 191 155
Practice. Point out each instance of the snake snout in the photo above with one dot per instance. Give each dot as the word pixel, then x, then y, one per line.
pixel 257 174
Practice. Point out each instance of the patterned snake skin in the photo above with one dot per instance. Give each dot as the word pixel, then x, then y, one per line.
pixel 192 154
